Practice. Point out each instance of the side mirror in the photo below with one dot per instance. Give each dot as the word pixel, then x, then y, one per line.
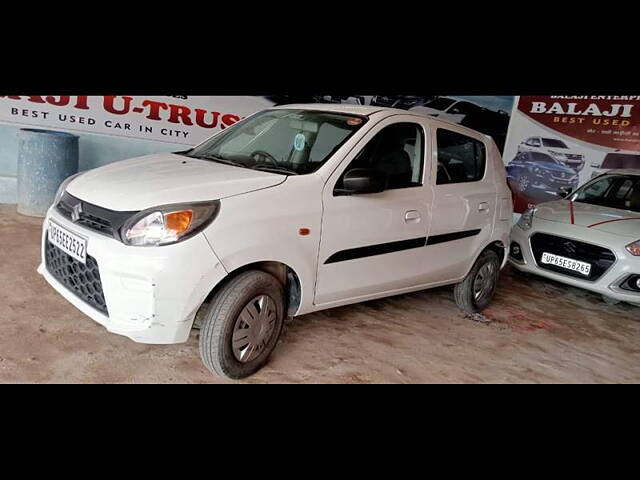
pixel 565 193
pixel 360 181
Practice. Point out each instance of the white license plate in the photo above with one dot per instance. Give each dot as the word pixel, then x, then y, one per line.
pixel 567 263
pixel 68 242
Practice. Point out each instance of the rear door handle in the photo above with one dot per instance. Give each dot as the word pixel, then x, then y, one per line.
pixel 412 216
pixel 483 207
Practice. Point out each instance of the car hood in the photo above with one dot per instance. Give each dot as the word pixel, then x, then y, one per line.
pixel 618 222
pixel 163 179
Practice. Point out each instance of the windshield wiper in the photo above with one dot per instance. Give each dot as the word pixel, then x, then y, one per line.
pixel 274 169
pixel 215 158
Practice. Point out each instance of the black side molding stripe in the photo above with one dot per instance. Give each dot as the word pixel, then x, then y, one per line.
pixel 384 248
pixel 450 237
pixel 373 250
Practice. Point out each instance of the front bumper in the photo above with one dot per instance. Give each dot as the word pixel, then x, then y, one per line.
pixel 553 185
pixel 607 285
pixel 152 294
pixel 577 165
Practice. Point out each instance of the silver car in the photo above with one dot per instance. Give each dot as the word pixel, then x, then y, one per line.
pixel 590 240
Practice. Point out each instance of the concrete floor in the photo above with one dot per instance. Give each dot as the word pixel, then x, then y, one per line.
pixel 536 331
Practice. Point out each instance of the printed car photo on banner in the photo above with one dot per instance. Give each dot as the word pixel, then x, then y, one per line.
pixel 558 143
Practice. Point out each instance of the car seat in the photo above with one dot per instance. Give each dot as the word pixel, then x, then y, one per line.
pixel 634 202
pixel 443 175
pixel 458 172
pixel 395 164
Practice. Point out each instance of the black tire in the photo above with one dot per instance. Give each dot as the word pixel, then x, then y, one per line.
pixel 464 292
pixel 219 323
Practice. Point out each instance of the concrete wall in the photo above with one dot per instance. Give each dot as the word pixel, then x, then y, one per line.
pixel 95 151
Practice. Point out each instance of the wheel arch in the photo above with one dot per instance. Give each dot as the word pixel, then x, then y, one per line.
pixel 282 272
pixel 497 246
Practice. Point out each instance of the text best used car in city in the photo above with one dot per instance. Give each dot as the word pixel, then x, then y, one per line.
pixel 292 210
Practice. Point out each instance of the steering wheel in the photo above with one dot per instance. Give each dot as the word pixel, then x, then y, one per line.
pixel 266 155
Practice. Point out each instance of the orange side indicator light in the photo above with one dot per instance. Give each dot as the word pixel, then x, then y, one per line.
pixel 179 222
pixel 304 232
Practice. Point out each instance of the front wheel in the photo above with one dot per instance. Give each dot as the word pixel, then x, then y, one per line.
pixel 524 183
pixel 476 291
pixel 242 325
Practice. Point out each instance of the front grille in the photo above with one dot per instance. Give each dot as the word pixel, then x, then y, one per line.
pixel 601 259
pixel 98 219
pixel 83 280
pixel 563 176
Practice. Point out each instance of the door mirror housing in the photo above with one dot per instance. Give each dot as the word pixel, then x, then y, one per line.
pixel 565 193
pixel 360 181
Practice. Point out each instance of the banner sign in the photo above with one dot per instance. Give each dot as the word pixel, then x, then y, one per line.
pixel 190 120
pixel 182 120
pixel 557 143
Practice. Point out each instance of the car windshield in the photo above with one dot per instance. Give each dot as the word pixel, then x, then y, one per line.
pixel 612 191
pixel 290 142
pixel 552 142
pixel 441 103
pixel 621 160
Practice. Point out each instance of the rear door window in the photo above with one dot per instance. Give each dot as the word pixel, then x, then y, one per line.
pixel 461 159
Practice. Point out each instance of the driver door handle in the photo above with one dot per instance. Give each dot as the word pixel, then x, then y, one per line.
pixel 412 216
pixel 483 207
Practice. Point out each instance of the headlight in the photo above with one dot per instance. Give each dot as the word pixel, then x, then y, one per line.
pixel 634 249
pixel 63 187
pixel 556 154
pixel 168 224
pixel 526 220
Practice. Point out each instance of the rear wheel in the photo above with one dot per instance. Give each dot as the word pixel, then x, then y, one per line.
pixel 242 325
pixel 476 291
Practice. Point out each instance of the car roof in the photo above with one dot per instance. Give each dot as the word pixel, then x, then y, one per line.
pixel 635 153
pixel 338 108
pixel 368 110
pixel 625 171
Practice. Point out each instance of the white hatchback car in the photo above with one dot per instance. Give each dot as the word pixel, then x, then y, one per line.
pixel 292 210
pixel 590 240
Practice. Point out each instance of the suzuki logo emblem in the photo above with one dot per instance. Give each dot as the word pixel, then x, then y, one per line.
pixel 570 247
pixel 77 211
